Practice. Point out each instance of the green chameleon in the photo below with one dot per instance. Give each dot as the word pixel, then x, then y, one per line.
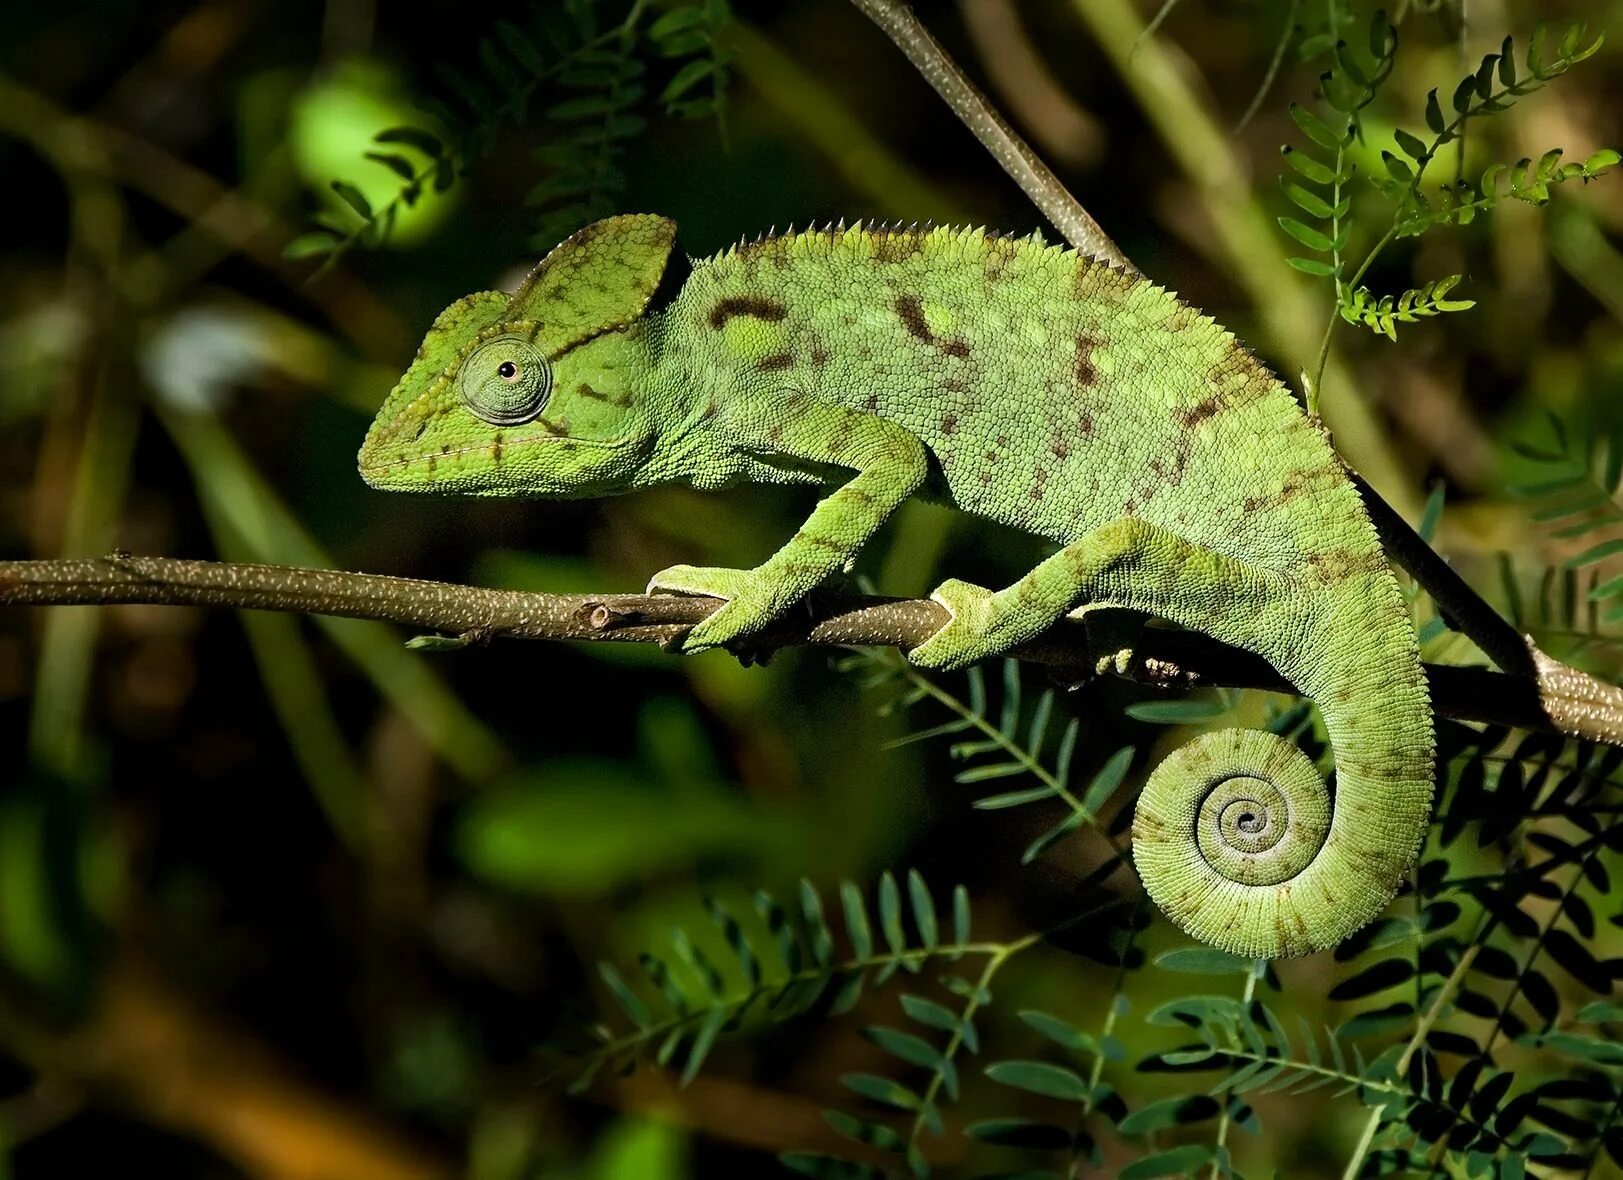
pixel 1025 383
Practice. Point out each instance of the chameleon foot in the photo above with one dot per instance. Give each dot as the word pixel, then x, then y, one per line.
pixel 749 606
pixel 965 637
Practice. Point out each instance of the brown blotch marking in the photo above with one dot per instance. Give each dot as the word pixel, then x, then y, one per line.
pixel 614 399
pixel 999 253
pixel 911 309
pixel 433 462
pixel 711 409
pixel 1200 411
pixel 758 306
pixel 986 476
pixel 955 384
pixel 1086 374
pixel 778 360
pixel 445 448
pixel 841 439
pixel 871 402
pixel 822 542
pixel 776 432
pixel 1171 470
pixel 895 246
pixel 819 354
pixel 1182 317
pixel 1039 483
pixel 1060 445
pixel 1336 564
pixel 949 424
pixel 958 348
pixel 496 448
pixel 1003 441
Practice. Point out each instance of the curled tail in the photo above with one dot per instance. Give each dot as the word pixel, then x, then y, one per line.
pixel 1236 836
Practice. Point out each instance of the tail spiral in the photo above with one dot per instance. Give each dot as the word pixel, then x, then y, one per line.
pixel 1233 841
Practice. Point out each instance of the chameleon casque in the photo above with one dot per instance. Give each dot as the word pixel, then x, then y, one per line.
pixel 1026 383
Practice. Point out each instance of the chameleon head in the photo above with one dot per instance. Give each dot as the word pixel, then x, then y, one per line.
pixel 541 393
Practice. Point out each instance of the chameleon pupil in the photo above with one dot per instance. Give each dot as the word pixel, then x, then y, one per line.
pixel 505 383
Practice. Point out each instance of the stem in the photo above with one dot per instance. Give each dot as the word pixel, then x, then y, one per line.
pixel 1272 73
pixel 994 964
pixel 1257 968
pixel 1097 1069
pixel 1433 1014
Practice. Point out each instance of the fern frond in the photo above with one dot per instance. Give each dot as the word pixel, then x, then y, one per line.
pixel 1382 315
pixel 1348 88
pixel 923 1049
pixel 777 966
pixel 1527 180
pixel 1017 743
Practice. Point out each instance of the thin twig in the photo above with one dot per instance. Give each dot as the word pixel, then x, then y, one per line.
pixel 1445 995
pixel 1572 703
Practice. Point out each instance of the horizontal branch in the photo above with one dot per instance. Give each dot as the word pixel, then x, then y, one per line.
pixel 1558 699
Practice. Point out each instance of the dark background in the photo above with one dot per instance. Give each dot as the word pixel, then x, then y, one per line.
pixel 280 898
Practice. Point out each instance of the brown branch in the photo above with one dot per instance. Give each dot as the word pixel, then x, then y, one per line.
pixel 1572 702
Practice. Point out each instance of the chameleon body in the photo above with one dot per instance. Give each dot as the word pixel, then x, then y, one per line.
pixel 1024 383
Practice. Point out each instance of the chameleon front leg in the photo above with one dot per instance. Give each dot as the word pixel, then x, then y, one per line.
pixel 1126 563
pixel 890 465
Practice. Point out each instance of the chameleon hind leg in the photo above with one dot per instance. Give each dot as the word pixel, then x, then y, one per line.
pixel 890 465
pixel 1126 563
pixel 1234 835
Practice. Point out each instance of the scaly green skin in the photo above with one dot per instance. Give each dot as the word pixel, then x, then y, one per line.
pixel 1023 383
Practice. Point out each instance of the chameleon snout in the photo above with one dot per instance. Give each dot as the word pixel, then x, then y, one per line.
pixel 390 447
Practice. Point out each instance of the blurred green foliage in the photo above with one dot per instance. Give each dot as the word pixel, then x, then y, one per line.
pixel 281 897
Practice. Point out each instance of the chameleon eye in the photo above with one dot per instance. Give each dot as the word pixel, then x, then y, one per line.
pixel 505 382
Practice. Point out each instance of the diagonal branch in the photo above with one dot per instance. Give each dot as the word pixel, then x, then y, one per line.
pixel 1572 702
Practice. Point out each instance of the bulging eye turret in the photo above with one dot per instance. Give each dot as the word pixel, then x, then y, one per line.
pixel 506 382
